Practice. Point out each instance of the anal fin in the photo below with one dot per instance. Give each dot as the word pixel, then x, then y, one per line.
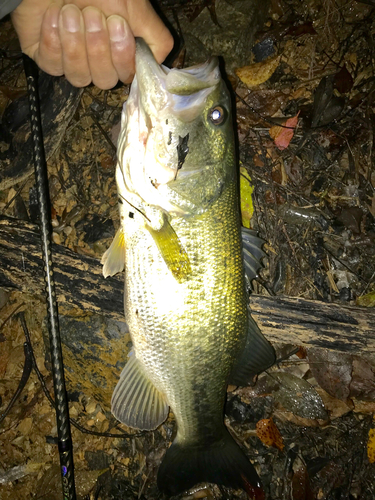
pixel 257 356
pixel 135 401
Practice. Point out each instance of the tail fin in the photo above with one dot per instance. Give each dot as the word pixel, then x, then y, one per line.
pixel 222 462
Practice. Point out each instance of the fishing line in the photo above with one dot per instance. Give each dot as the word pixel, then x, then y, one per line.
pixel 135 208
pixel 41 180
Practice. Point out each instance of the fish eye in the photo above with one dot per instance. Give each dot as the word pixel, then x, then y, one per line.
pixel 217 115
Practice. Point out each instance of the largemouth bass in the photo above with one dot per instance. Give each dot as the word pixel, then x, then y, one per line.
pixel 186 300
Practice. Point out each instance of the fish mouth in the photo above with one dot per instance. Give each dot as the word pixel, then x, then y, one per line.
pixel 182 92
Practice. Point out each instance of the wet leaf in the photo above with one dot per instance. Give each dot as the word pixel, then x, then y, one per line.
pixel 315 465
pixel 371 446
pixel 331 476
pixel 343 81
pixel 106 162
pixel 49 485
pixel 301 489
pixel 301 29
pixel 86 480
pixel 269 434
pixel 289 417
pixel 299 397
pixel 11 92
pixel 265 102
pixel 283 135
pixel 327 107
pixel 366 407
pixel 362 385
pixel 210 4
pixel 351 217
pixel 332 371
pixel 335 407
pixel 25 426
pixel 246 191
pixel 301 353
pixel 367 300
pixel 258 73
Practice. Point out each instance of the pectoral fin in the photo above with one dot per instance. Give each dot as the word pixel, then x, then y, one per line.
pixel 136 402
pixel 257 356
pixel 113 259
pixel 252 252
pixel 171 250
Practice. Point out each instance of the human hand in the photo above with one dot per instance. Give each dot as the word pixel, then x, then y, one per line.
pixel 89 40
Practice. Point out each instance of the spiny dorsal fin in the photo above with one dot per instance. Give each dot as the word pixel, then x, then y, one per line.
pixel 252 252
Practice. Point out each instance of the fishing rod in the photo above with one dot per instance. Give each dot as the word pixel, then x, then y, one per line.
pixel 41 178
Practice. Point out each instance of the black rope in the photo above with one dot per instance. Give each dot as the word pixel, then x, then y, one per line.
pixel 62 410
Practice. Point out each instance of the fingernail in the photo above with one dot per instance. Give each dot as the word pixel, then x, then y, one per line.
pixel 52 15
pixel 116 28
pixel 71 18
pixel 93 19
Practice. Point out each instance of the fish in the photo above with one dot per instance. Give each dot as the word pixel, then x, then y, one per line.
pixel 188 264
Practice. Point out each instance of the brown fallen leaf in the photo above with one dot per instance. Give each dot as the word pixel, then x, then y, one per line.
pixel 12 93
pixel 283 135
pixel 336 408
pixel 301 29
pixel 269 434
pixel 362 385
pixel 288 416
pixel 344 80
pixel 364 406
pixel 25 426
pixel 301 489
pixel 258 73
pixel 332 370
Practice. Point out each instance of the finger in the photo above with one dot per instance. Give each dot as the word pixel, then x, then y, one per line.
pixel 144 22
pixel 49 54
pixel 122 47
pixel 74 55
pixel 103 72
